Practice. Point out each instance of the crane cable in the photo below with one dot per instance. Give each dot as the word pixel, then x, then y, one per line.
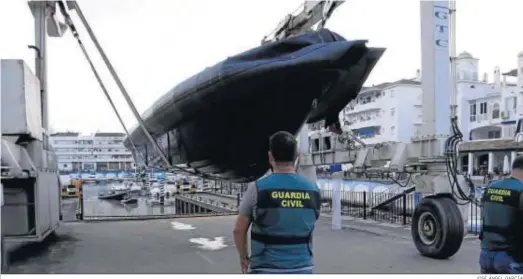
pixel 119 83
pixel 71 25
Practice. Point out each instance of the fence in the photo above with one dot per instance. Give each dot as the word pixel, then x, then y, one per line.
pixel 398 209
pixel 90 206
pixel 224 188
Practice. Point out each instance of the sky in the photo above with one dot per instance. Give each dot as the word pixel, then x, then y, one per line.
pixel 155 44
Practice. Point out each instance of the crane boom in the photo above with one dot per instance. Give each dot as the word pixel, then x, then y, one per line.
pixel 312 13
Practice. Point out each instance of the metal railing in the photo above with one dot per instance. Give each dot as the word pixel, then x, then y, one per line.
pixel 364 205
pixel 89 206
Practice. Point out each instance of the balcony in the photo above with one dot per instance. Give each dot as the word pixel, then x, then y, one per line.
pixel 366 121
pixel 486 132
pixel 482 120
pixel 109 145
pixel 365 107
pixel 375 140
pixel 94 160
pixel 72 152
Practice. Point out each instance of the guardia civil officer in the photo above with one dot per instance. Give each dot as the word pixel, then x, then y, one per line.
pixel 282 208
pixel 502 234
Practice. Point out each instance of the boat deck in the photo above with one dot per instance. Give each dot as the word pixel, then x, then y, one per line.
pixel 157 246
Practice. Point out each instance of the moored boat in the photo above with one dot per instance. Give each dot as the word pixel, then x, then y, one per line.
pixel 112 195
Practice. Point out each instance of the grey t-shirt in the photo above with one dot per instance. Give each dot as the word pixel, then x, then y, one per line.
pixel 248 203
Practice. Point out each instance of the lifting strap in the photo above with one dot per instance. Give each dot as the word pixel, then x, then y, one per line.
pixel 71 25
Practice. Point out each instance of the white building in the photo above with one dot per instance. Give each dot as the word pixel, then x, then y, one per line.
pixel 96 152
pixel 488 114
pixel 486 110
pixel 387 112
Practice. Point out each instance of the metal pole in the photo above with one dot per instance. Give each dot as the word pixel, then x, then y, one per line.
pixel 404 207
pixel 452 43
pixel 303 148
pixel 40 25
pixel 82 205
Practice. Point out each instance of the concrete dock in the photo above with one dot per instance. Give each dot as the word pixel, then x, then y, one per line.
pixel 159 246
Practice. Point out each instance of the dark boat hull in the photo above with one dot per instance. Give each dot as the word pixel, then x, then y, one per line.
pixel 218 121
pixel 115 196
pixel 129 201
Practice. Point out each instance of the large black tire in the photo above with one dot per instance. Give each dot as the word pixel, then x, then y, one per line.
pixel 437 227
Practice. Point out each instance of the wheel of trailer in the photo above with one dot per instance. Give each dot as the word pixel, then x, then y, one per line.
pixel 437 227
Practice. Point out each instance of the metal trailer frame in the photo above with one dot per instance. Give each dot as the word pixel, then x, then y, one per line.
pixel 29 168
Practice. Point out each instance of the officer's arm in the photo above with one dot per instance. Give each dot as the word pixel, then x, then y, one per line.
pixel 243 221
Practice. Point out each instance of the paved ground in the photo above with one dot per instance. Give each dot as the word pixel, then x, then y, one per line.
pixel 156 247
pixel 381 227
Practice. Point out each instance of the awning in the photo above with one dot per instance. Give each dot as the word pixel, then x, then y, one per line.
pixel 335 168
pixel 367 131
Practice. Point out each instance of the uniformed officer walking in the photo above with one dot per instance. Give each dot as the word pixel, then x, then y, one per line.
pixel 502 233
pixel 283 208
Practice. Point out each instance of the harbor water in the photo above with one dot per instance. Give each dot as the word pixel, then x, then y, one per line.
pixel 94 207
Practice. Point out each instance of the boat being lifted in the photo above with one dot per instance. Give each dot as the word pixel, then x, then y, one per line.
pixel 218 122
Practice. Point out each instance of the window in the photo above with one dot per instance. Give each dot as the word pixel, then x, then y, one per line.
pixel 392 111
pixel 495 111
pixel 510 103
pixel 494 134
pixel 392 130
pixel 483 108
pixel 509 131
pixel 472 112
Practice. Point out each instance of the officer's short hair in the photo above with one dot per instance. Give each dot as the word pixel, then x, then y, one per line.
pixel 283 146
pixel 518 163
